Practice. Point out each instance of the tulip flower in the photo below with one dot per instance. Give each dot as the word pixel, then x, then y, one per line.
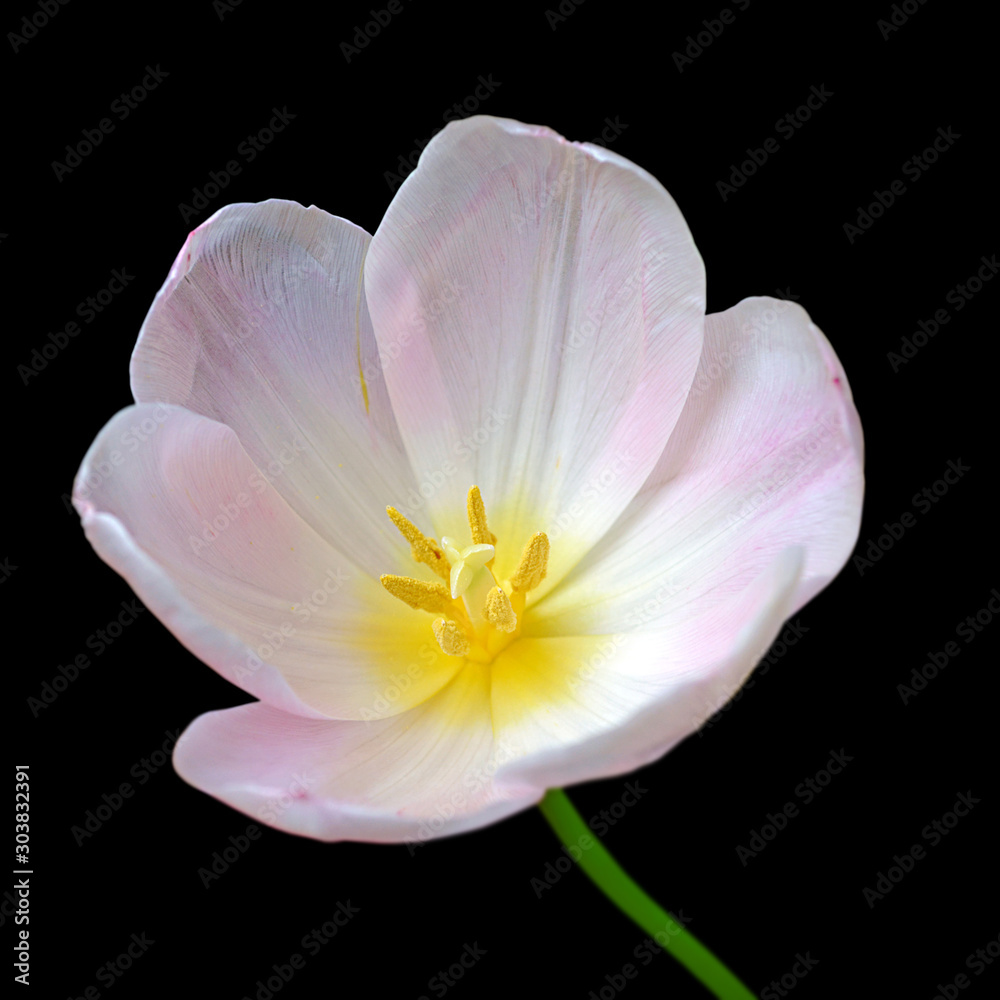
pixel 477 507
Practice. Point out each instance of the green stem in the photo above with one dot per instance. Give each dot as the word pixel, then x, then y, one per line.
pixel 614 882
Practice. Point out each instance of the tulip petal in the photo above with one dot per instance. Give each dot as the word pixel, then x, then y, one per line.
pixel 172 501
pixel 542 303
pixel 424 774
pixel 767 455
pixel 262 325
pixel 625 707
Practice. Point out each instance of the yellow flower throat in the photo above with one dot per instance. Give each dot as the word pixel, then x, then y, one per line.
pixel 481 615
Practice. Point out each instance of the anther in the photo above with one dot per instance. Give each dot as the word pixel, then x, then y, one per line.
pixel 476 511
pixel 450 637
pixel 418 594
pixel 498 611
pixel 424 550
pixel 533 565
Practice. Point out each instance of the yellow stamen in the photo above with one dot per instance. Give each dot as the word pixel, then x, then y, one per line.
pixel 424 550
pixel 477 618
pixel 498 611
pixel 476 510
pixel 418 594
pixel 450 637
pixel 534 562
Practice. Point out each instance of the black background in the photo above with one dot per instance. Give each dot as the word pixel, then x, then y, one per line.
pixel 835 690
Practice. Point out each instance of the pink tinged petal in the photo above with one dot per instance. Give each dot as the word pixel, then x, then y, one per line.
pixel 172 502
pixel 232 658
pixel 767 455
pixel 423 774
pixel 262 325
pixel 544 303
pixel 632 701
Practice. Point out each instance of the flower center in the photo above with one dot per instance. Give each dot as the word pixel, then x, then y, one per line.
pixel 479 615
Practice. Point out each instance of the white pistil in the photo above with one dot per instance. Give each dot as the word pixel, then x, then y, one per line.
pixel 465 563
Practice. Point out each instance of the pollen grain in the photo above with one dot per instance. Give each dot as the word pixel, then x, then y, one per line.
pixel 450 637
pixel 476 510
pixel 533 565
pixel 498 610
pixel 418 594
pixel 424 550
